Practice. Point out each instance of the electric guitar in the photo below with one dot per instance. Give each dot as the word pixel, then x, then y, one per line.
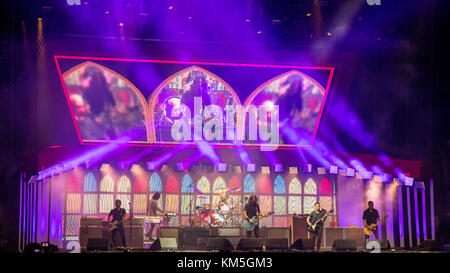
pixel 115 224
pixel 313 227
pixel 249 225
pixel 370 229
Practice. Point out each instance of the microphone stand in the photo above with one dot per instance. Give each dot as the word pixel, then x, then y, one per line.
pixel 131 225
pixel 190 202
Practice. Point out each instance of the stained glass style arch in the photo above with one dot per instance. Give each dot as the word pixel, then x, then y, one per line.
pixel 325 186
pixel 234 183
pixel 219 183
pixel 90 183
pixel 187 184
pixel 107 184
pixel 155 183
pixel 203 185
pixel 264 185
pixel 249 184
pixel 310 187
pixel 295 187
pixel 74 185
pixel 279 186
pixel 140 184
pixel 124 184
pixel 172 184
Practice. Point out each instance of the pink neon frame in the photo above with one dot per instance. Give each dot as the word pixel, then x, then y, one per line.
pixel 215 145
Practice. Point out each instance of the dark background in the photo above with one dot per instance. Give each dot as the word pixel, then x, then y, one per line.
pixel 392 70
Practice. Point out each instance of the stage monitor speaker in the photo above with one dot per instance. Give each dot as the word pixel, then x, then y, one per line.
pixel 429 245
pixel 164 244
pixel 344 245
pixel 190 235
pixel 303 244
pixel 250 244
pixel 384 244
pixel 222 244
pixel 98 244
pixel 277 243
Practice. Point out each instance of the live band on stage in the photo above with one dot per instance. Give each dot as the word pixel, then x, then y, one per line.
pixel 229 213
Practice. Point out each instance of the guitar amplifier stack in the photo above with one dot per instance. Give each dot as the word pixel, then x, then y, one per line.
pixel 95 228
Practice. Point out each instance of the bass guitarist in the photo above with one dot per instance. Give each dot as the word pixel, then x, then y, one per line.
pixel 251 210
pixel 118 215
pixel 318 215
pixel 371 216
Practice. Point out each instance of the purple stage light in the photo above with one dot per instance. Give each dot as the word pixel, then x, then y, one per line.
pixel 293 170
pixel 321 170
pixel 409 181
pixel 150 166
pixel 122 165
pixel 180 166
pixel 307 168
pixel 387 177
pixel 278 168
pixel 222 167
pixel 334 169
pixel 350 172
pixel 367 175
pixel 251 168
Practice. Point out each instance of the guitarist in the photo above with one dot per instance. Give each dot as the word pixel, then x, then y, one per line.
pixel 314 217
pixel 118 215
pixel 370 216
pixel 251 209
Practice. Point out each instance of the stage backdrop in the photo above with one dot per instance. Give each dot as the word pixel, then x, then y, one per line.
pixel 92 193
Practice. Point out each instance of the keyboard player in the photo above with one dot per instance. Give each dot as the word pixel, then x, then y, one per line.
pixel 152 210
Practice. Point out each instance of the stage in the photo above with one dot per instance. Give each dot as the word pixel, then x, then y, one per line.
pixel 146 127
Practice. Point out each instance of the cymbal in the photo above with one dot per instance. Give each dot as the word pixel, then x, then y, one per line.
pixel 206 205
pixel 202 197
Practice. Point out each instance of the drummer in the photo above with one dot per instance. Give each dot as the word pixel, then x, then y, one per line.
pixel 223 200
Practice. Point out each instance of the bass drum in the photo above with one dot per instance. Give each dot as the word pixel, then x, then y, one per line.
pixel 216 220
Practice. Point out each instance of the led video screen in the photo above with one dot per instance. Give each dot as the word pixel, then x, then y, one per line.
pixel 162 102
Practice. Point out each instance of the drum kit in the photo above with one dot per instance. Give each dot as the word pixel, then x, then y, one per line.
pixel 227 214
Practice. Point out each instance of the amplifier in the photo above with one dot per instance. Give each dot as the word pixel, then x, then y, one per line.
pixel 87 233
pixel 224 232
pixel 85 221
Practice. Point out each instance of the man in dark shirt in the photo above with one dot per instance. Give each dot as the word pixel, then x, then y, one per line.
pixel 118 215
pixel 370 216
pixel 251 209
pixel 312 218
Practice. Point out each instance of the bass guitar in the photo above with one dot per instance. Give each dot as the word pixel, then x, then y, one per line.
pixel 249 225
pixel 313 228
pixel 370 229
